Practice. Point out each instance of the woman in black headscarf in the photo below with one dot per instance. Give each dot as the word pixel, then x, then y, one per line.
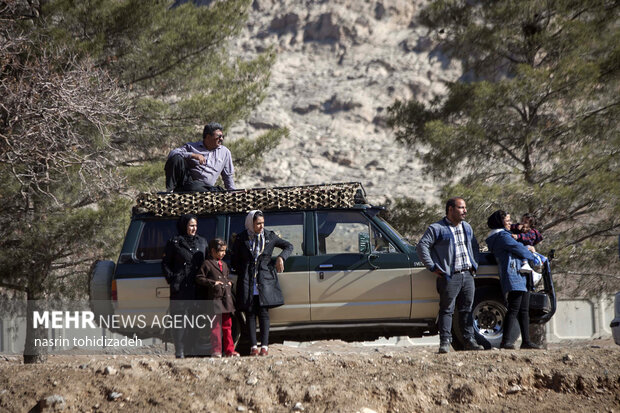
pixel 183 256
pixel 258 288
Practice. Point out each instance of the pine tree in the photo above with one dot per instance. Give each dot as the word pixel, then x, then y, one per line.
pixel 176 63
pixel 88 91
pixel 532 125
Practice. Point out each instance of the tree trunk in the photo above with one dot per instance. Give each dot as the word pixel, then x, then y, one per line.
pixel 33 353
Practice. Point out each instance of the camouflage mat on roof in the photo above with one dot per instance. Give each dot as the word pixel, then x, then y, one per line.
pixel 340 195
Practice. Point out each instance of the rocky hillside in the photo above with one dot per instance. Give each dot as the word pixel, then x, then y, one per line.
pixel 340 65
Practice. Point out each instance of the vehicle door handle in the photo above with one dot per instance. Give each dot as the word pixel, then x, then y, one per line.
pixel 325 266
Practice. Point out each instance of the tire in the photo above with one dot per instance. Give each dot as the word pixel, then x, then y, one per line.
pixel 488 312
pixel 238 326
pixel 239 333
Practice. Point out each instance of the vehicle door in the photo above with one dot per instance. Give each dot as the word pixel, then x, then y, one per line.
pixel 357 273
pixel 294 280
pixel 139 278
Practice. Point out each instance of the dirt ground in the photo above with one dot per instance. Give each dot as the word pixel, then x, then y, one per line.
pixel 324 376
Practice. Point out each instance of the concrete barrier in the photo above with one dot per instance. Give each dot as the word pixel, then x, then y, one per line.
pixel 581 319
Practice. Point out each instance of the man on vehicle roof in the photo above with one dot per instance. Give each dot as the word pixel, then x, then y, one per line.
pixel 196 166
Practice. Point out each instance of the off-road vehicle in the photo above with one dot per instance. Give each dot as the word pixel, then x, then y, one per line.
pixel 351 275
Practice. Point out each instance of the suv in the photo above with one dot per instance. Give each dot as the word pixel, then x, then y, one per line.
pixel 351 275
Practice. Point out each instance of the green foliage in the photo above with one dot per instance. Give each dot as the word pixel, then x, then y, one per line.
pixel 94 94
pixel 173 61
pixel 533 125
pixel 411 217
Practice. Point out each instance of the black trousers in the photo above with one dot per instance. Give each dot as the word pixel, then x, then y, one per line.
pixel 263 321
pixel 181 335
pixel 518 310
pixel 178 178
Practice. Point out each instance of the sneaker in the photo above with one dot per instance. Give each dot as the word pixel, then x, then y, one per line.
pixel 444 348
pixel 525 268
pixel 507 346
pixel 472 345
pixel 232 354
pixel 254 351
pixel 263 351
pixel 216 355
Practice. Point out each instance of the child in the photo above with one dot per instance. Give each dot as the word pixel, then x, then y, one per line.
pixel 527 234
pixel 214 275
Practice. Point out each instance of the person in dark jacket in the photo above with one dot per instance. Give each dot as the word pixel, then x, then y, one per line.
pixel 509 255
pixel 449 249
pixel 183 256
pixel 214 277
pixel 258 288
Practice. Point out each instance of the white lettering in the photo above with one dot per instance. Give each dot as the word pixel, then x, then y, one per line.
pixel 57 319
pixel 87 319
pixel 141 321
pixel 75 319
pixel 41 319
pixel 128 321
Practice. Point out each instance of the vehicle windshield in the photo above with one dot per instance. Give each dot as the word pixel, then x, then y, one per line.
pixel 394 232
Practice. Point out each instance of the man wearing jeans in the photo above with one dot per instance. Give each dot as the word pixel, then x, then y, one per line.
pixel 446 249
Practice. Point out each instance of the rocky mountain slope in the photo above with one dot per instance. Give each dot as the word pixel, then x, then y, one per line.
pixel 340 65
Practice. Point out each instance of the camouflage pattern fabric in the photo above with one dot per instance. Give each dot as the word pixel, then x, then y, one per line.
pixel 340 195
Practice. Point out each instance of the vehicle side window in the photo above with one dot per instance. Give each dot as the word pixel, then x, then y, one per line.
pixel 380 243
pixel 156 233
pixel 289 226
pixel 343 232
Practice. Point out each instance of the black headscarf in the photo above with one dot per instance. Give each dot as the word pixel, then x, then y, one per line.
pixel 182 226
pixel 496 220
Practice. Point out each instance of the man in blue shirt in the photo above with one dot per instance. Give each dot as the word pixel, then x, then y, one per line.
pixel 446 249
pixel 196 166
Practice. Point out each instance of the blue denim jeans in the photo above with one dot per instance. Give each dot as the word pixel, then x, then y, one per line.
pixel 458 290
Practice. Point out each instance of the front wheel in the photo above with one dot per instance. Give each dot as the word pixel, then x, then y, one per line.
pixel 489 313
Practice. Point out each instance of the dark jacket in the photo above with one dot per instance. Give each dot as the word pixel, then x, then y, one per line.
pixel 181 262
pixel 221 295
pixel 269 292
pixel 509 253
pixel 437 248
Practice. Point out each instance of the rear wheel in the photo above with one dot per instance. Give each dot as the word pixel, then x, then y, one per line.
pixel 488 312
pixel 239 333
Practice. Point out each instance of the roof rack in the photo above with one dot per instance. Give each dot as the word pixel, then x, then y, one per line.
pixel 325 196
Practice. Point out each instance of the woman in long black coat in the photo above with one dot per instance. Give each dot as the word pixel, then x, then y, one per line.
pixel 183 256
pixel 258 288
